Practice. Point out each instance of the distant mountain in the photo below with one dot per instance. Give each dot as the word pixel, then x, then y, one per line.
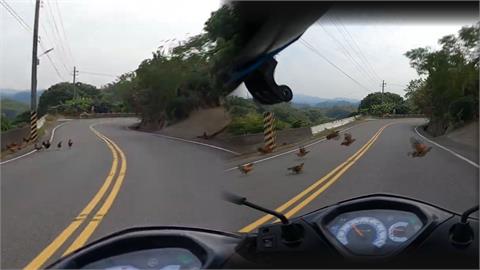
pixel 300 100
pixel 11 108
pixel 305 99
pixel 336 103
pixel 22 96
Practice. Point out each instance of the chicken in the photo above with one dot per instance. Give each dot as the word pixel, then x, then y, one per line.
pixel 333 135
pixel 296 169
pixel 246 168
pixel 12 147
pixel 420 149
pixel 204 136
pixel 348 139
pixel 46 144
pixel 264 150
pixel 38 147
pixel 59 145
pixel 302 152
pixel 70 143
pixel 26 140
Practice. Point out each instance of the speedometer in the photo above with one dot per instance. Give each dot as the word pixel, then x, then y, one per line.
pixel 362 232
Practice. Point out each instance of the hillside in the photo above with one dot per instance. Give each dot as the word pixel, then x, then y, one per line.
pixel 302 101
pixel 19 95
pixel 11 108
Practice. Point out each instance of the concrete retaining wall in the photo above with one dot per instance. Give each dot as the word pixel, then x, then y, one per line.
pixel 106 115
pixel 333 124
pixel 14 136
pixel 404 116
pixel 250 142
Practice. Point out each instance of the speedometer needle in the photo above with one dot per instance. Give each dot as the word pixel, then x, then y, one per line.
pixel 357 230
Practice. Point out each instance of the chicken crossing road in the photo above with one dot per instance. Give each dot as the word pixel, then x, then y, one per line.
pixel 113 178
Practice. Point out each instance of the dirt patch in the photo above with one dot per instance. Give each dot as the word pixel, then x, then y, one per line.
pixel 209 121
pixel 467 135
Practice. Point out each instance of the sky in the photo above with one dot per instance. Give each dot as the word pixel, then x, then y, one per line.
pixel 105 38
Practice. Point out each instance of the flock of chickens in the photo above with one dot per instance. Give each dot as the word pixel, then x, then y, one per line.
pixel 420 149
pixel 46 144
pixel 13 147
pixel 302 152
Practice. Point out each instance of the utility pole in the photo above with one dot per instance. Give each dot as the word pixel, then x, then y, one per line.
pixel 75 72
pixel 383 88
pixel 33 97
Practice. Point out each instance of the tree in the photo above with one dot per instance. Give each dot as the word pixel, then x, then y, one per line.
pixel 118 95
pixel 6 124
pixel 62 92
pixel 448 91
pixel 379 104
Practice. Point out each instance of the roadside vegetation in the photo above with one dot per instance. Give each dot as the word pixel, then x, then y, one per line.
pixel 379 104
pixel 14 114
pixel 247 116
pixel 447 90
pixel 179 79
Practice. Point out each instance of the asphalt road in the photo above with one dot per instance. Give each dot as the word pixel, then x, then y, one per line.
pixel 45 197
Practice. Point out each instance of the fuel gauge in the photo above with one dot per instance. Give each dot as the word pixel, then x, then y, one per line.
pixel 398 232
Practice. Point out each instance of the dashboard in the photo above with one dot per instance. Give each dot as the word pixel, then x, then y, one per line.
pixel 366 232
pixel 375 232
pixel 159 258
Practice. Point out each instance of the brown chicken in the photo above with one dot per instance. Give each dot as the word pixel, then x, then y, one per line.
pixel 70 143
pixel 348 139
pixel 296 169
pixel 302 152
pixel 246 168
pixel 59 144
pixel 38 147
pixel 264 150
pixel 26 140
pixel 46 144
pixel 12 147
pixel 333 135
pixel 420 149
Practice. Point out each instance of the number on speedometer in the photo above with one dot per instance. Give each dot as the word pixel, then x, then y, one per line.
pixel 361 231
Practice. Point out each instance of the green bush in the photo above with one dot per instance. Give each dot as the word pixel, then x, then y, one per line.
pixel 250 123
pixel 6 124
pixel 462 109
pixel 22 119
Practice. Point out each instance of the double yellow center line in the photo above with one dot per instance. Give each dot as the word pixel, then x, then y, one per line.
pixel 316 188
pixel 119 161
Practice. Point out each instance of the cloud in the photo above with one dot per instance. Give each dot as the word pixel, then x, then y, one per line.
pixel 114 36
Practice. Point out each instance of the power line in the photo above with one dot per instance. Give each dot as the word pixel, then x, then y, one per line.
pixel 309 46
pixel 363 65
pixel 54 67
pixel 346 53
pixel 360 52
pixel 396 84
pixel 63 30
pixel 98 74
pixel 56 34
pixel 15 15
pixel 29 29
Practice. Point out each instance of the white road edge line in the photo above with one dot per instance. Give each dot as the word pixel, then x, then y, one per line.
pixel 34 150
pixel 199 143
pixel 289 151
pixel 448 150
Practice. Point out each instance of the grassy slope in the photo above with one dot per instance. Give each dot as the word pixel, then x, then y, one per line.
pixel 11 108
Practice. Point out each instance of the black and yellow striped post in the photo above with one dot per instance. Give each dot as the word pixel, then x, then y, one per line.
pixel 33 126
pixel 269 131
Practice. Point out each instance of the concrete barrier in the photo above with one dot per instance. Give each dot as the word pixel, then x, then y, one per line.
pixel 333 124
pixel 106 115
pixel 404 116
pixel 250 142
pixel 14 136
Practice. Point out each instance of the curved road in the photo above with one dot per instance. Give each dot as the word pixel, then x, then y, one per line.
pixel 55 201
